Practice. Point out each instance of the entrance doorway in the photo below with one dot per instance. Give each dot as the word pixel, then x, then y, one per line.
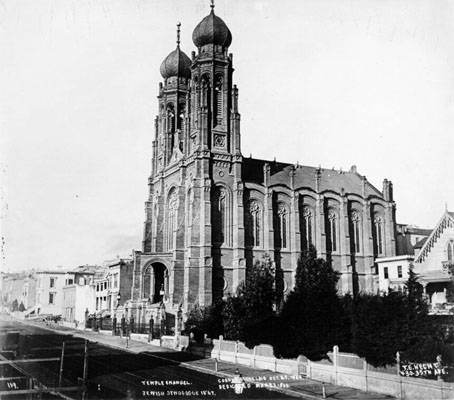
pixel 156 282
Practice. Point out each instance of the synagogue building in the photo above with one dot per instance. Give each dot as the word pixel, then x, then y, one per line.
pixel 212 213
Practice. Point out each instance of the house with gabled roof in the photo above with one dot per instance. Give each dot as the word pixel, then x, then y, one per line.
pixel 433 260
pixel 432 256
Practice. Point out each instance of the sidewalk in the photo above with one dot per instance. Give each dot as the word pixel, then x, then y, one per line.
pixel 301 387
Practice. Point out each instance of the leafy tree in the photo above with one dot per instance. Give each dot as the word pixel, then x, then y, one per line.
pixel 207 320
pixel 396 321
pixel 424 337
pixel 248 316
pixel 14 305
pixel 21 307
pixel 377 328
pixel 310 316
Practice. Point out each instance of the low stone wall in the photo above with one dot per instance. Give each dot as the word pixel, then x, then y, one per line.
pixel 175 342
pixel 344 369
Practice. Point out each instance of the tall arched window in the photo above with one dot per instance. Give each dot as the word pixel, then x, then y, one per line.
pixel 378 233
pixel 254 224
pixel 188 216
pixel 218 99
pixel 181 115
pixel 332 228
pixel 283 225
pixel 171 221
pixel 450 251
pixel 221 217
pixel 170 118
pixel 307 227
pixel 356 230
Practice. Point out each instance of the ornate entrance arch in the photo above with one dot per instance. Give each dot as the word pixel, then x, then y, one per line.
pixel 155 282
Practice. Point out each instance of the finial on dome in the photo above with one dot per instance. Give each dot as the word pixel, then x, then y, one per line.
pixel 178 33
pixel 212 5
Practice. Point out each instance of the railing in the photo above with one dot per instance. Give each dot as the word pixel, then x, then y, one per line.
pixel 124 327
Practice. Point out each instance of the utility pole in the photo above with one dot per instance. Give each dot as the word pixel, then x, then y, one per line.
pixel 84 377
pixel 60 375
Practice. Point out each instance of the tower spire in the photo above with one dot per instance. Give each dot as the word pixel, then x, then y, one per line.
pixel 178 33
pixel 212 5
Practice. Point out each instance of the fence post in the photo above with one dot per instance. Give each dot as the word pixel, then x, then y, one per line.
pixel 60 374
pixel 150 334
pixel 335 361
pixel 365 374
pixel 122 326
pixel 236 352
pixel 114 326
pixel 221 338
pixel 399 375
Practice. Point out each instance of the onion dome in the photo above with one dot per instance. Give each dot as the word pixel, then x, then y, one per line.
pixel 212 30
pixel 177 63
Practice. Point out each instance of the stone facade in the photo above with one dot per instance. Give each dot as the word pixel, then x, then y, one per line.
pixel 211 213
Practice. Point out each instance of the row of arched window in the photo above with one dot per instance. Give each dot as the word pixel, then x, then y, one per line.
pixel 254 228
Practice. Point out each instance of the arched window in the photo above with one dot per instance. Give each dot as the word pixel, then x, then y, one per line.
pixel 171 221
pixel 181 115
pixel 254 224
pixel 188 216
pixel 450 251
pixel 219 216
pixel 378 233
pixel 332 230
pixel 307 227
pixel 170 118
pixel 218 99
pixel 282 225
pixel 356 230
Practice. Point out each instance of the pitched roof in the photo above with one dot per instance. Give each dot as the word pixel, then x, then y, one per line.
pixel 306 177
pixel 420 243
pixel 446 221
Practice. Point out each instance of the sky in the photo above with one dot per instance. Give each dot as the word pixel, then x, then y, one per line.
pixel 321 82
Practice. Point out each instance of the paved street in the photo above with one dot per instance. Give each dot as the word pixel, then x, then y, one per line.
pixel 144 371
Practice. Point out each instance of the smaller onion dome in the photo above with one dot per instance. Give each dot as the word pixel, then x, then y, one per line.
pixel 177 63
pixel 212 30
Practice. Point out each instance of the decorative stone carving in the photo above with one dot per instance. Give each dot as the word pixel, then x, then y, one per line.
pixel 355 216
pixel 307 212
pixel 281 209
pixel 219 140
pixel 254 206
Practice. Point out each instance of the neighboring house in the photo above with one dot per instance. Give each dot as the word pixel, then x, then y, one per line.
pixel 433 261
pixel 393 272
pixel 77 299
pixel 410 238
pixel 120 275
pixel 49 290
pixel 19 286
pixel 79 293
pixel 28 297
pixel 431 257
pixel 101 283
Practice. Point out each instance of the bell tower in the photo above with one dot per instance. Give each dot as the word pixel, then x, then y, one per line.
pixel 214 122
pixel 170 126
pixel 170 137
